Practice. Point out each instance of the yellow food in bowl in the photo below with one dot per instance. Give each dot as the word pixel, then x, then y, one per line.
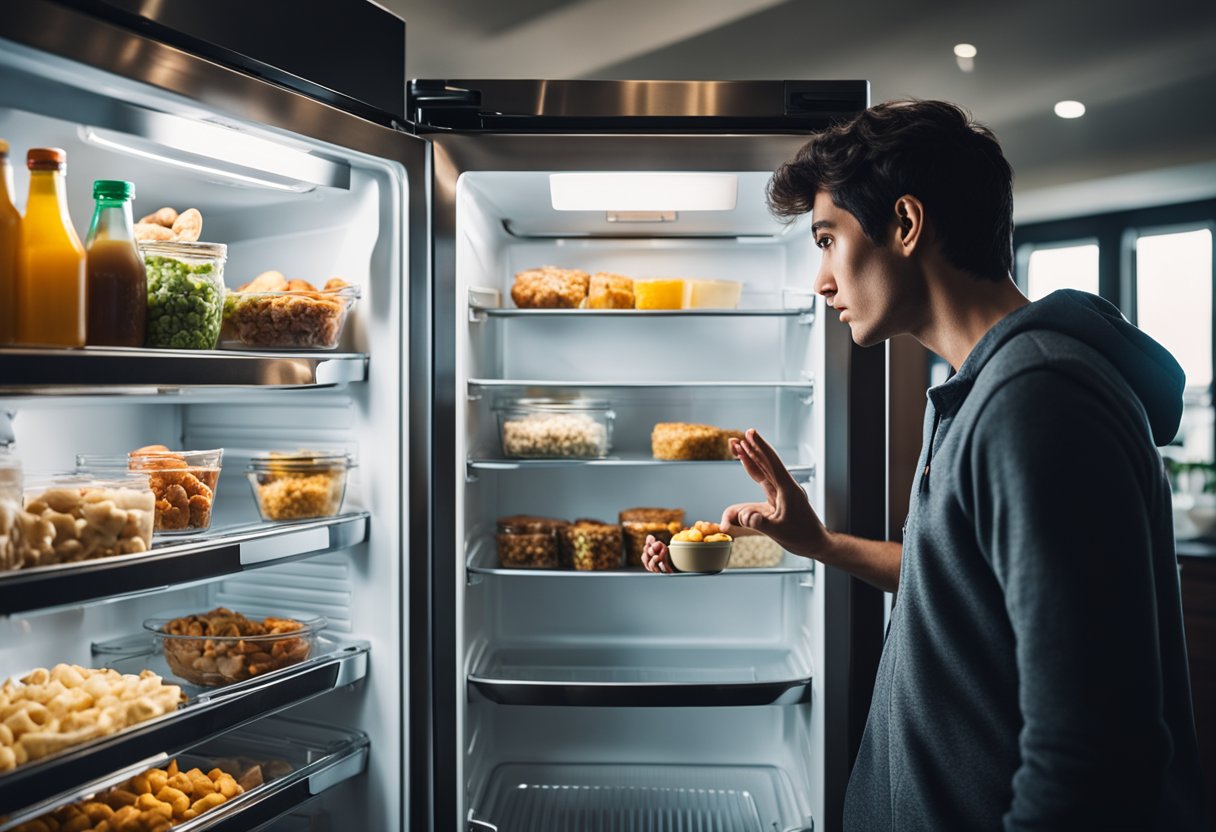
pixel 702 532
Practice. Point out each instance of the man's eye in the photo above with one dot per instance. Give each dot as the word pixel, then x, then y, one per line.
pixel 823 242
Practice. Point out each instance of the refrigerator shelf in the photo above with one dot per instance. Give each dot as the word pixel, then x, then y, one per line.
pixel 637 460
pixel 482 560
pixel 806 314
pixel 807 385
pixel 176 561
pixel 321 757
pixel 131 371
pixel 632 798
pixel 651 677
pixel 207 713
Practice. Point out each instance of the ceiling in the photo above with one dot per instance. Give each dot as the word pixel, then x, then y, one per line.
pixel 1146 72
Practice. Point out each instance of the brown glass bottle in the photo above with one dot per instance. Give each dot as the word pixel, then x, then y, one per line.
pixel 117 286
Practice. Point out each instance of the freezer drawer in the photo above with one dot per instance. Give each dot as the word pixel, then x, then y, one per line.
pixel 318 756
pixel 207 712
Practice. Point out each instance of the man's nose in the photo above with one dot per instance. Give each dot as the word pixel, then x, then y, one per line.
pixel 824 284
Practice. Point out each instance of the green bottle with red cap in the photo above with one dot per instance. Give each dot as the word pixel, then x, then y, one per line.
pixel 117 287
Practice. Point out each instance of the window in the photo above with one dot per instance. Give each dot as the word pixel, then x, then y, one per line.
pixel 1155 264
pixel 1062 267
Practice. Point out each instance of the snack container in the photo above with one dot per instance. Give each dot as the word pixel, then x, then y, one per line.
pixel 594 546
pixel 184 483
pixel 185 293
pixel 286 320
pixel 299 485
pixel 198 651
pixel 706 558
pixel 638 523
pixel 555 428
pixel 70 517
pixel 10 508
pixel 752 550
pixel 526 542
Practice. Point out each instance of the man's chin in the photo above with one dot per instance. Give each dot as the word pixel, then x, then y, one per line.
pixel 864 338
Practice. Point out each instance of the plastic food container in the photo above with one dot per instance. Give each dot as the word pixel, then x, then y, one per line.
pixel 287 320
pixel 10 509
pixel 221 647
pixel 555 428
pixel 299 485
pixel 754 550
pixel 71 518
pixel 526 542
pixel 185 293
pixel 638 523
pixel 594 546
pixel 184 483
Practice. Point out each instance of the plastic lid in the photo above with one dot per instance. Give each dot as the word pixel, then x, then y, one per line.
pixel 301 461
pixel 555 404
pixel 46 158
pixel 527 524
pixel 118 190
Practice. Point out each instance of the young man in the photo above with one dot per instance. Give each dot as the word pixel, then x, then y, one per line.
pixel 1034 675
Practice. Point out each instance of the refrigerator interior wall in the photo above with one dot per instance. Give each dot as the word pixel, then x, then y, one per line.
pixel 352 224
pixel 734 371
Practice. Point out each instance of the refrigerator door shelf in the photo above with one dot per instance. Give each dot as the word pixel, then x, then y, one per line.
pixel 178 561
pixel 806 385
pixel 483 561
pixel 205 715
pixel 631 798
pixel 320 757
pixel 638 460
pixel 651 677
pixel 121 371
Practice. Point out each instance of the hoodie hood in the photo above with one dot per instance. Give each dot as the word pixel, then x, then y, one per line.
pixel 1149 369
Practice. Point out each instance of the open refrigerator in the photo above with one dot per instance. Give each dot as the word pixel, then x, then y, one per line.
pixel 448 692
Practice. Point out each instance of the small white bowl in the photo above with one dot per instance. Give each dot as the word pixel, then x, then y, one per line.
pixel 706 558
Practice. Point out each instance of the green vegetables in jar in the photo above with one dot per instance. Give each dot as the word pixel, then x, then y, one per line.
pixel 185 304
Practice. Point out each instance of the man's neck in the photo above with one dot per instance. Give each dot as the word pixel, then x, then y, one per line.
pixel 961 309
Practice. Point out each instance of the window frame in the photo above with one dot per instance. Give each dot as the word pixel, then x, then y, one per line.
pixel 1023 253
pixel 1116 233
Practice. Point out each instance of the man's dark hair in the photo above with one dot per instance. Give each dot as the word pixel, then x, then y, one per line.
pixel 931 150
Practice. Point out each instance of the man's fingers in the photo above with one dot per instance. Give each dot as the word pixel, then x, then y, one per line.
pixel 758 446
pixel 747 516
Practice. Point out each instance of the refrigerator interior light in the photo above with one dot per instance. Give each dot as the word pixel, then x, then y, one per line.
pixel 615 191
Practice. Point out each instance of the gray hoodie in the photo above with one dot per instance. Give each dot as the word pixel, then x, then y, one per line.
pixel 1035 675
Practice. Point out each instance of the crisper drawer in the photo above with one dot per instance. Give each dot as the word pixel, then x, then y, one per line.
pixel 283 762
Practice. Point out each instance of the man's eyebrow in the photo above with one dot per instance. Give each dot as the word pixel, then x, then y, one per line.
pixel 815 226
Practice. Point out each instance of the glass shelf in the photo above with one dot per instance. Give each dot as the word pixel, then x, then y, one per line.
pixel 320 757
pixel 177 560
pixel 207 713
pixel 805 314
pixel 123 371
pixel 680 676
pixel 482 560
pixel 639 460
pixel 805 385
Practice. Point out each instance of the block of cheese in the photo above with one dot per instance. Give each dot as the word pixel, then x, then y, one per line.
pixel 713 294
pixel 659 294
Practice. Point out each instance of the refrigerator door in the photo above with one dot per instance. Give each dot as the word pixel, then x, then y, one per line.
pixel 289 183
pixel 620 670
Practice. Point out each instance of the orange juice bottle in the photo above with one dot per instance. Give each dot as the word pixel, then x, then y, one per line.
pixel 10 250
pixel 51 279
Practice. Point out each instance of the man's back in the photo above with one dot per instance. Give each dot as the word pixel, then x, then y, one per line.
pixel 1035 668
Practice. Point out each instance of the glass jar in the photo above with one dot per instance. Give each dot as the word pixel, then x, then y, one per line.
pixel 594 546
pixel 555 428
pixel 526 542
pixel 638 523
pixel 184 483
pixel 299 485
pixel 185 293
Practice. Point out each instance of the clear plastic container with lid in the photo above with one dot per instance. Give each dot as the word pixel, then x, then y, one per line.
pixel 185 293
pixel 184 483
pixel 10 508
pixel 555 428
pixel 299 485
pixel 526 542
pixel 74 517
pixel 639 523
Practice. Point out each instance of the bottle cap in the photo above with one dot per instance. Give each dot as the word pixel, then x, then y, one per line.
pixel 3 149
pixel 113 189
pixel 46 158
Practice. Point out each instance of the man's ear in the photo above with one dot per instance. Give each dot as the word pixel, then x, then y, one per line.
pixel 910 222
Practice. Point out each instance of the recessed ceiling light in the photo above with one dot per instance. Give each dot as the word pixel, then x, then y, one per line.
pixel 1070 109
pixel 964 50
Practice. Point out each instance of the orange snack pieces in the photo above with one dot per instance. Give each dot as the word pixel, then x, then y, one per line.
pixel 610 291
pixel 550 287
